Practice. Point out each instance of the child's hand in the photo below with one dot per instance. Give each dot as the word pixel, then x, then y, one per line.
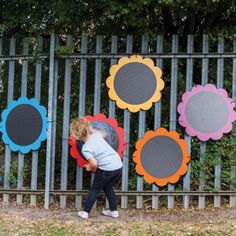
pixel 88 167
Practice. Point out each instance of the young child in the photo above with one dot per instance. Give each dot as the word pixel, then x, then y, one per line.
pixel 102 156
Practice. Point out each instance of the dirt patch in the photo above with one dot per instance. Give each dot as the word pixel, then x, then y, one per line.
pixel 22 220
pixel 130 215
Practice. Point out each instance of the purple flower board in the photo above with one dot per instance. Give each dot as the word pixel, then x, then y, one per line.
pixel 206 112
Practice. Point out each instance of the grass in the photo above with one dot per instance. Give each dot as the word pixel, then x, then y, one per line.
pixel 18 225
pixel 16 220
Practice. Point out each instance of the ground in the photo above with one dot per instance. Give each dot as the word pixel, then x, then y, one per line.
pixel 24 220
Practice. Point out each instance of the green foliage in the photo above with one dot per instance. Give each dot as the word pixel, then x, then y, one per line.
pixel 37 49
pixel 25 172
pixel 12 176
pixel 116 17
pixel 221 152
pixel 61 49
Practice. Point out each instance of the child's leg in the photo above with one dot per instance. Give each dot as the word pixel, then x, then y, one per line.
pixel 95 190
pixel 109 190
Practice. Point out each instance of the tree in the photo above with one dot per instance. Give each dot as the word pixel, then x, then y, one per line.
pixel 30 17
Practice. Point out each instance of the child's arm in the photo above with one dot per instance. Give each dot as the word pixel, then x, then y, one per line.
pixel 92 164
pixel 103 133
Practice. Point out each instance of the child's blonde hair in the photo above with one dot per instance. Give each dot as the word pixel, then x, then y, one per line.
pixel 79 128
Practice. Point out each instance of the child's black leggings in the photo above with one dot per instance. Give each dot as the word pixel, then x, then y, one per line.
pixel 103 180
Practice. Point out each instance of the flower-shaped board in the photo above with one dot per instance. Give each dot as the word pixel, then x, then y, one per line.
pixel 24 125
pixel 135 83
pixel 161 157
pixel 114 136
pixel 206 112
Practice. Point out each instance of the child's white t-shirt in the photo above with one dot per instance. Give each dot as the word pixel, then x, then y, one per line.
pixel 107 158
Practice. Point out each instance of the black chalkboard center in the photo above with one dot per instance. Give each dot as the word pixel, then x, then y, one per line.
pixel 111 135
pixel 135 83
pixel 161 157
pixel 207 112
pixel 24 124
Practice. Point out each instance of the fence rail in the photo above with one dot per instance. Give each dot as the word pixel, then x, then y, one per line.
pixel 119 55
pixel 122 193
pixel 75 86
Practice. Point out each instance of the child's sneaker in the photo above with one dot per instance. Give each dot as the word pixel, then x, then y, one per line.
pixel 114 214
pixel 83 214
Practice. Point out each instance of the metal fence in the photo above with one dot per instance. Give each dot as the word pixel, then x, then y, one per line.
pixel 29 73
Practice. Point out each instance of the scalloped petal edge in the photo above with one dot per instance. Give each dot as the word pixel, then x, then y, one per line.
pixel 137 157
pixel 43 135
pixel 134 107
pixel 200 135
